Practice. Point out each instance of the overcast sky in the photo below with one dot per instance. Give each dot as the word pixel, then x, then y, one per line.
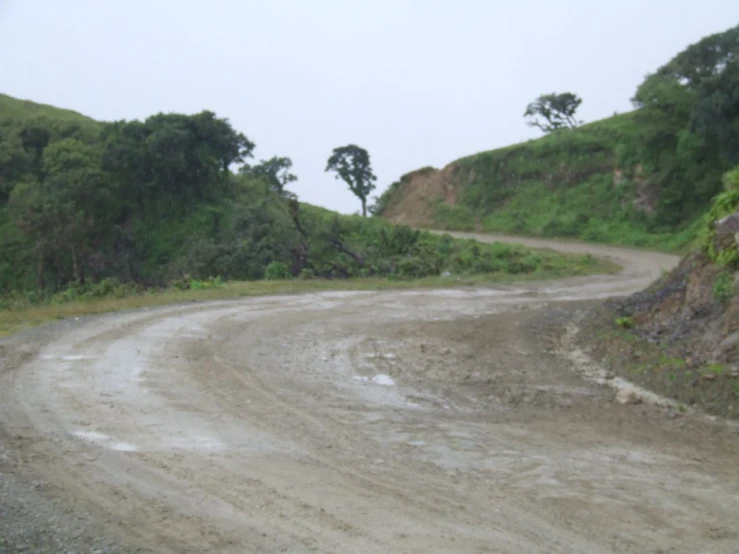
pixel 415 82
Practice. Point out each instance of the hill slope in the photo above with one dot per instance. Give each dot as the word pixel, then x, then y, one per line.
pixel 643 178
pixel 14 109
pixel 85 205
pixel 568 184
pixel 680 336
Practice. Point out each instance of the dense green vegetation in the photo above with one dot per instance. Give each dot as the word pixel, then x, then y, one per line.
pixel 90 209
pixel 643 178
pixel 723 250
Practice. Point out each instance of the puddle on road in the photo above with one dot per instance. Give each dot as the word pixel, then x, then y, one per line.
pixel 92 436
pixel 102 439
pixel 380 379
pixel 196 443
pixel 70 358
pixel 125 447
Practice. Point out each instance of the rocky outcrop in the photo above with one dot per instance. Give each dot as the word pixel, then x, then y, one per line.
pixel 684 311
pixel 678 338
pixel 727 229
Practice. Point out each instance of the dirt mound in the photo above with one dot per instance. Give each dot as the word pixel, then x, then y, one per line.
pixel 413 202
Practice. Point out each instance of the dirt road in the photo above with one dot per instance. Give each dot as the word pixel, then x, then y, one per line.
pixel 430 421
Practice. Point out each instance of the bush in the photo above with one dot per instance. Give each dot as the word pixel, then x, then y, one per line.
pixel 106 288
pixel 625 322
pixel 427 262
pixel 209 283
pixel 723 287
pixel 724 204
pixel 307 274
pixel 276 271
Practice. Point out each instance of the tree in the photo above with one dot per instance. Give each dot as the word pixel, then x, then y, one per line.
pixel 703 60
pixel 68 213
pixel 173 160
pixel 14 162
pixel 716 114
pixel 556 110
pixel 276 171
pixel 352 165
pixel 688 113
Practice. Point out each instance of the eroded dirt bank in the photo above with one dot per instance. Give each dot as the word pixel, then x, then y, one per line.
pixel 433 421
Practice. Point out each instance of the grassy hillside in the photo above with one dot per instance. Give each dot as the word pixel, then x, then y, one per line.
pixel 643 178
pixel 680 336
pixel 583 183
pixel 60 123
pixel 91 209
pixel 14 109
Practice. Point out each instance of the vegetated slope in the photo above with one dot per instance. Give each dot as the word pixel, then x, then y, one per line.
pixel 86 205
pixel 14 109
pixel 566 184
pixel 681 335
pixel 643 178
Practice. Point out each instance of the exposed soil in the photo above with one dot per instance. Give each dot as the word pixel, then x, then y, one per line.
pixel 680 340
pixel 413 421
pixel 413 203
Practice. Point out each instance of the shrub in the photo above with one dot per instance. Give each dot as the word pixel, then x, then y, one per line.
pixel 209 283
pixel 724 204
pixel 307 274
pixel 723 287
pixel 276 271
pixel 109 287
pixel 625 322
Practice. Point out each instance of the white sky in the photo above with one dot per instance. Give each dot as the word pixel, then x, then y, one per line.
pixel 415 82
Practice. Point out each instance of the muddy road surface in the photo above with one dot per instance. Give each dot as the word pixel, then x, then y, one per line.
pixel 428 421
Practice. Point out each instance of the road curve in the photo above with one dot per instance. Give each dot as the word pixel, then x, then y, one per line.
pixel 394 421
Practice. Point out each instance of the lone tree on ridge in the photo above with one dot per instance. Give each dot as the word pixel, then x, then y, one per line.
pixel 352 165
pixel 550 112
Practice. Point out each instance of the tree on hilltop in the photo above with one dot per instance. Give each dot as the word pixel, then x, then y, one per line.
pixel 553 111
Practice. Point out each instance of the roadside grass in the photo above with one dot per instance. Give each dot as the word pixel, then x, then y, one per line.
pixel 26 316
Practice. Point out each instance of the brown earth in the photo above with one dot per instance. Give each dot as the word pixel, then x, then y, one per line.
pixel 681 339
pixel 413 202
pixel 413 421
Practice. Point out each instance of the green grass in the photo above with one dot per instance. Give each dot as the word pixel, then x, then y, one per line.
pixel 17 109
pixel 27 316
pixel 61 123
pixel 560 185
pixel 454 218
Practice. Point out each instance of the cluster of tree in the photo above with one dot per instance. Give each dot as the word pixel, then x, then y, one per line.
pixel 152 201
pixel 70 199
pixel 688 112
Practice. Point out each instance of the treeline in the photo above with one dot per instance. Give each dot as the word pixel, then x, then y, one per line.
pixel 178 196
pixel 80 202
pixel 688 116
